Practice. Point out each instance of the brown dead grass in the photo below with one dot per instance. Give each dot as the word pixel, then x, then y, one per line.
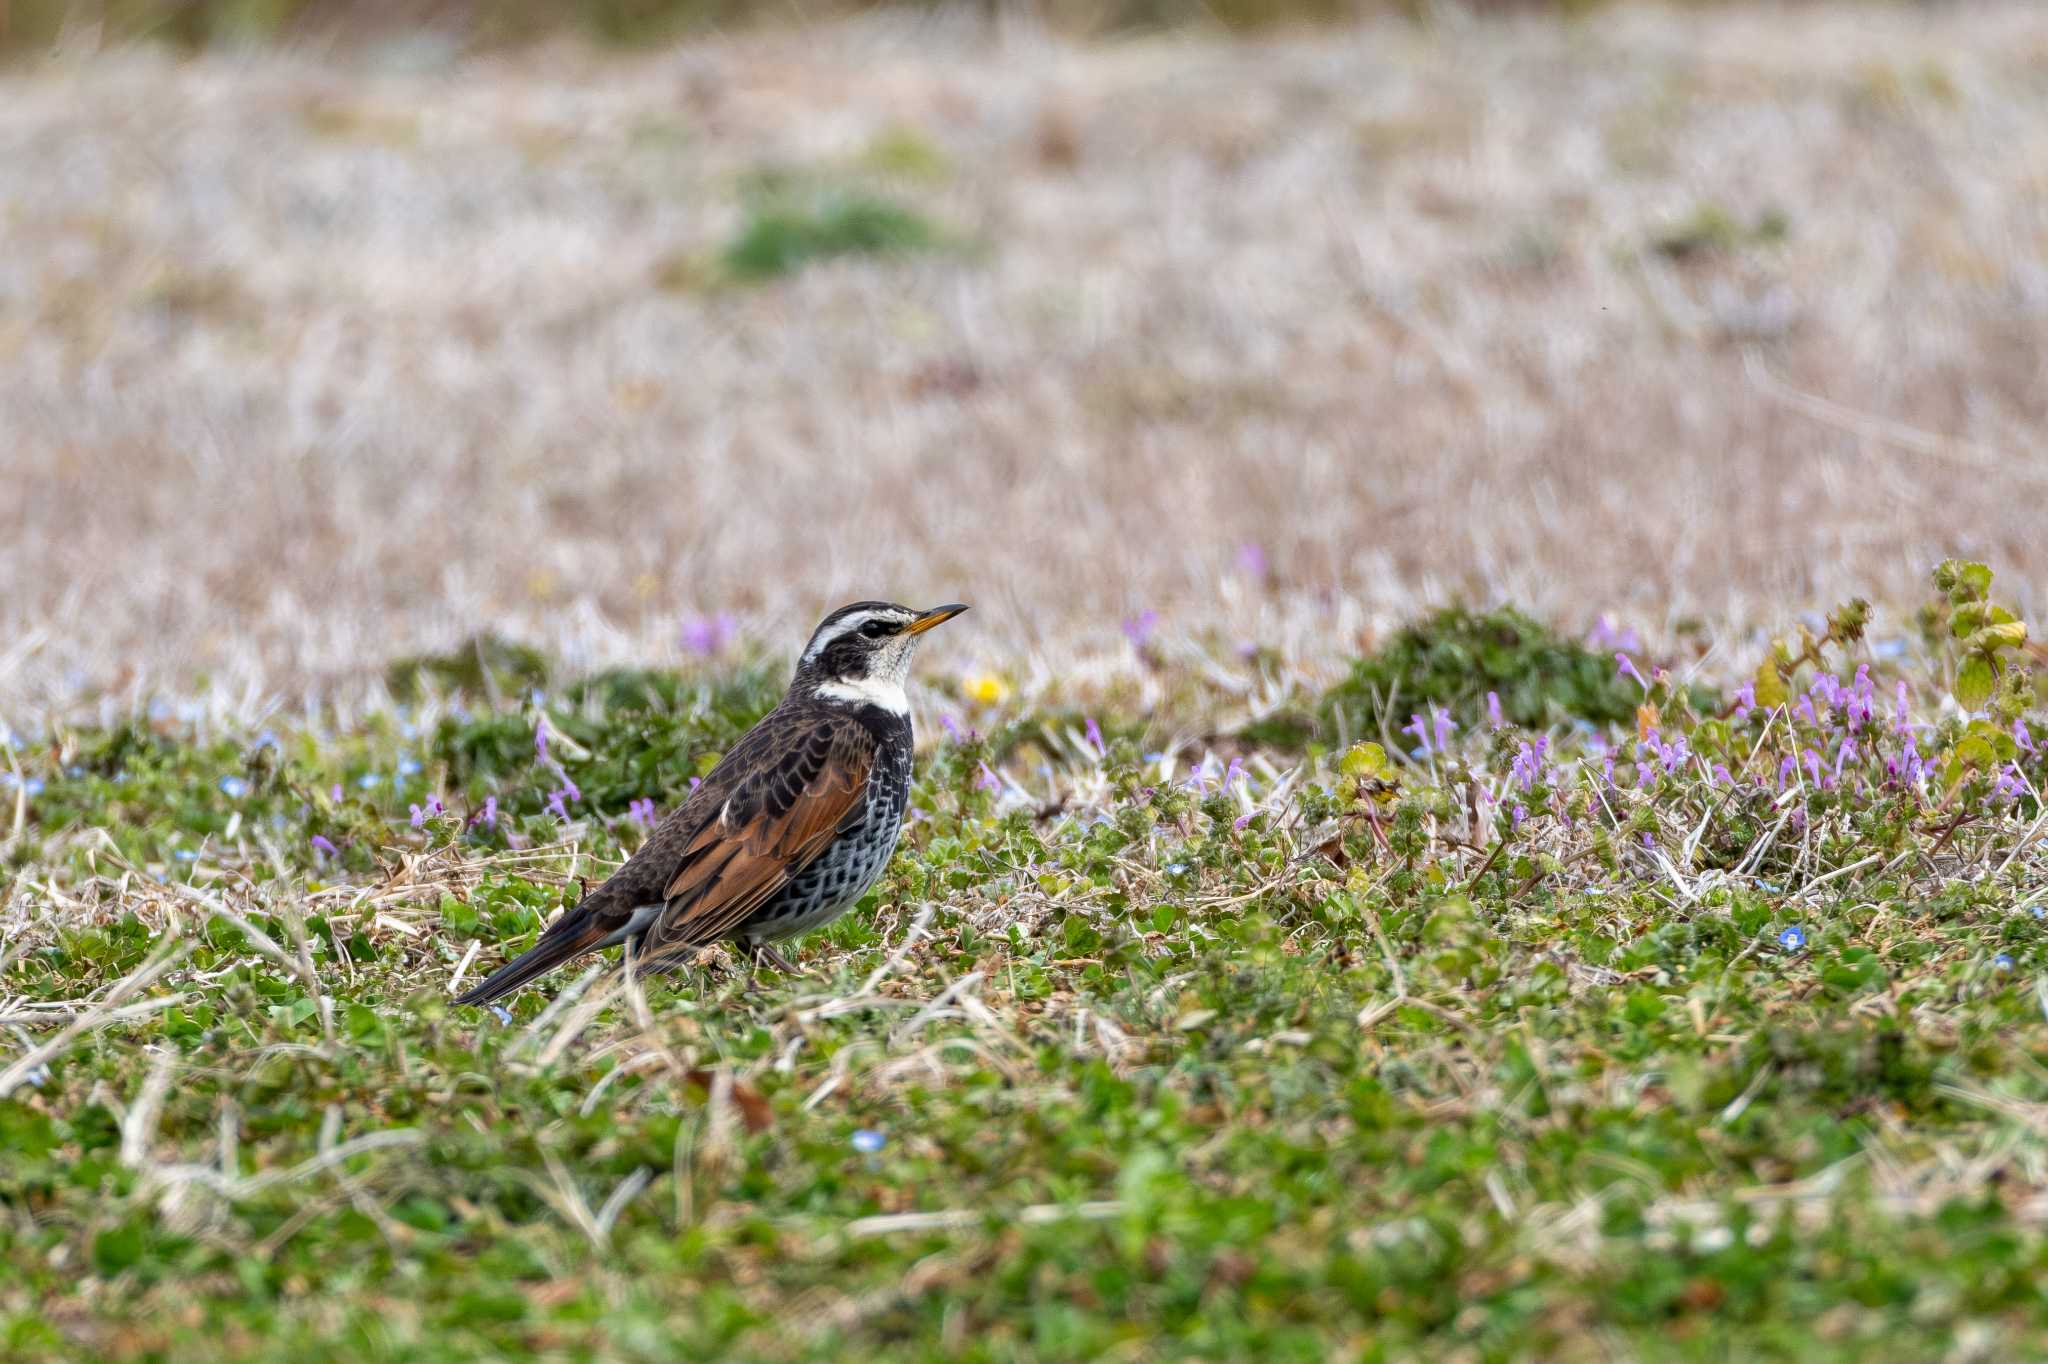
pixel 309 360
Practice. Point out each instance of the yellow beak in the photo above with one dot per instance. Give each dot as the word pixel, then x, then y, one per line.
pixel 938 615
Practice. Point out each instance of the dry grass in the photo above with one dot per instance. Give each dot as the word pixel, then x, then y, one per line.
pixel 311 359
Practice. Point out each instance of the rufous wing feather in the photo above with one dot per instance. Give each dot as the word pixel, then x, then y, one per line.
pixel 770 830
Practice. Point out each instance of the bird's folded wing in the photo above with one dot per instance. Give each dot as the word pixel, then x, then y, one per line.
pixel 779 818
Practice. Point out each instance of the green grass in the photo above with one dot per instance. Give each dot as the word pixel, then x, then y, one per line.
pixel 1341 1067
pixel 785 234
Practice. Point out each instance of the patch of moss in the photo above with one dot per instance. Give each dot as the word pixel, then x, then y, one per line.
pixel 781 237
pixel 478 667
pixel 1454 657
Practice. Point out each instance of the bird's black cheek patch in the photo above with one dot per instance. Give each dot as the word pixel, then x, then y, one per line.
pixel 846 660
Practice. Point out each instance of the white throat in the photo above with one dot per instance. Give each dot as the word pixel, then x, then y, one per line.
pixel 884 693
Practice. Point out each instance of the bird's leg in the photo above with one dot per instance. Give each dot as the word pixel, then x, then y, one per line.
pixel 766 952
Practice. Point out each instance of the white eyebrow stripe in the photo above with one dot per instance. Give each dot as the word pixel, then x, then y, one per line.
pixel 845 625
pixel 838 628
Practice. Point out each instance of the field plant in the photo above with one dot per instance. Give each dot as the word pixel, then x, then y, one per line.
pixel 1593 1012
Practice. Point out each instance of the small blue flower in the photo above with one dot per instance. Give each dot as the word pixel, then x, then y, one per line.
pixel 867 1141
pixel 234 788
pixel 1792 939
pixel 267 739
pixel 2003 961
pixel 408 767
pixel 1176 868
pixel 186 854
pixel 2041 911
pixel 504 1014
pixel 369 780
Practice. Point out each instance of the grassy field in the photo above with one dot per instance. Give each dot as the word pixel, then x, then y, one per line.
pixel 1514 998
pixel 1245 986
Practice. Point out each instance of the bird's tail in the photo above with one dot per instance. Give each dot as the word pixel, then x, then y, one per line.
pixel 575 933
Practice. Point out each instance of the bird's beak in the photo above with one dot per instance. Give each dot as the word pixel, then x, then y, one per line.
pixel 938 615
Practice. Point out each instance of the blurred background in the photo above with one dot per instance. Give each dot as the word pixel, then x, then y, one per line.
pixel 331 332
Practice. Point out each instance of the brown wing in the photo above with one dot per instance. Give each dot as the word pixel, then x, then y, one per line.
pixel 781 814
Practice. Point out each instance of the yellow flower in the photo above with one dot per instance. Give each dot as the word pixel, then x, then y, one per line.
pixel 985 688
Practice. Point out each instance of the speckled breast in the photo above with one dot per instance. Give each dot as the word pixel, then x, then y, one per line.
pixel 842 873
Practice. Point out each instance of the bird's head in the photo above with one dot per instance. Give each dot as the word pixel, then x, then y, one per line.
pixel 860 654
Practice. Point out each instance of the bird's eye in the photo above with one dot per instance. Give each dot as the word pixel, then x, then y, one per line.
pixel 875 629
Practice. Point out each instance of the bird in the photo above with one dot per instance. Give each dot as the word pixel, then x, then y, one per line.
pixel 790 828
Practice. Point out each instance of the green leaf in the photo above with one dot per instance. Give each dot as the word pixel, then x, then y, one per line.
pixel 118 1248
pixel 1974 682
pixel 2004 748
pixel 1974 752
pixel 1992 638
pixel 364 1024
pixel 1363 760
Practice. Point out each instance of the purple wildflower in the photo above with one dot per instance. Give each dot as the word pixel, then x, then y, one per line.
pixel 1625 667
pixel 569 786
pixel 1805 708
pixel 1908 766
pixel 1722 776
pixel 419 817
pixel 1444 726
pixel 1095 738
pixel 1605 634
pixel 1787 769
pixel 1745 700
pixel 641 811
pixel 1251 559
pixel 2021 737
pixel 1518 814
pixel 2011 785
pixel 1862 698
pixel 696 782
pixel 325 847
pixel 952 727
pixel 1420 730
pixel 1813 765
pixel 1493 719
pixel 555 804
pixel 708 635
pixel 540 738
pixel 1138 629
pixel 335 794
pixel 1900 724
pixel 489 814
pixel 988 780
